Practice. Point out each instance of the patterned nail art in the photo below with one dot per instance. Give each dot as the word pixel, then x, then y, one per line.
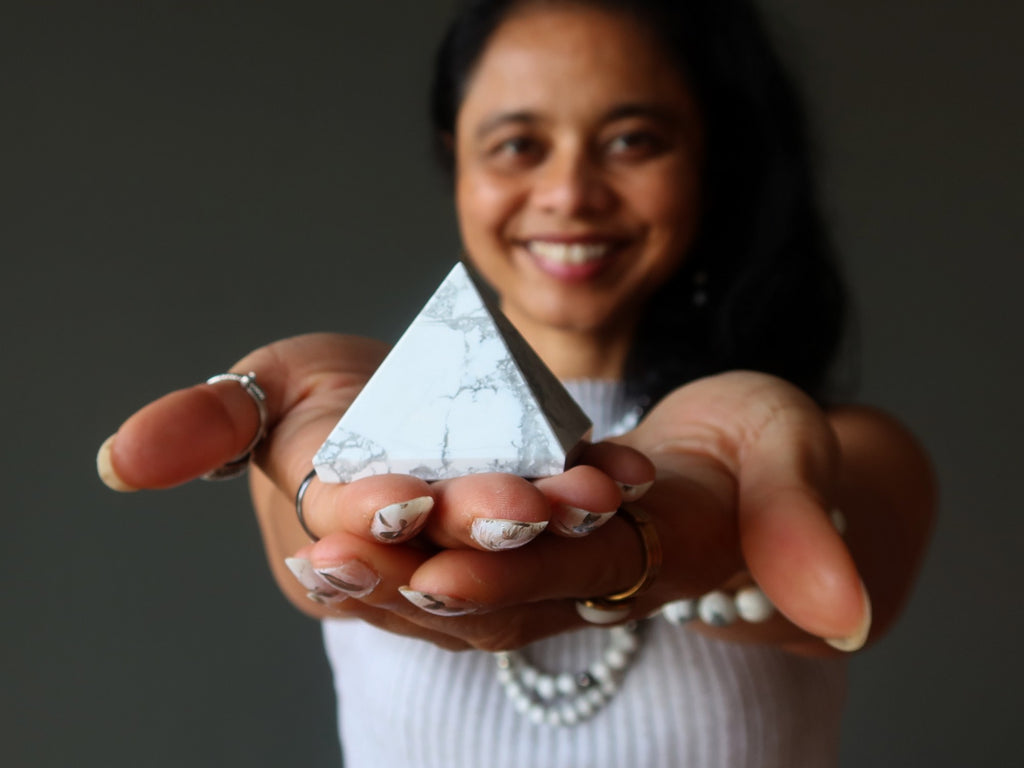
pixel 319 590
pixel 324 598
pixel 634 492
pixel 439 605
pixel 401 521
pixel 576 522
pixel 496 534
pixel 354 578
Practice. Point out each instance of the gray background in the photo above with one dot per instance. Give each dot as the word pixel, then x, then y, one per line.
pixel 182 181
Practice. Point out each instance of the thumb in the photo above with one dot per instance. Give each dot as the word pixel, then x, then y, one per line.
pixel 179 437
pixel 791 547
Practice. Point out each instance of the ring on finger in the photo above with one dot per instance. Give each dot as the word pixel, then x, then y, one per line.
pixel 240 463
pixel 617 606
pixel 299 496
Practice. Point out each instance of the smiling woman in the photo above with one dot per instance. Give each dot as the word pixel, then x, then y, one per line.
pixel 632 179
pixel 578 203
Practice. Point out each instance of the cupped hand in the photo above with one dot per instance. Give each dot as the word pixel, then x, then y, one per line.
pixel 772 457
pixel 397 529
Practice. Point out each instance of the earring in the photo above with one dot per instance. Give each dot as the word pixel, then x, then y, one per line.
pixel 700 291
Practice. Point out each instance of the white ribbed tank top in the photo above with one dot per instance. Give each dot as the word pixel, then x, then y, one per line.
pixel 687 702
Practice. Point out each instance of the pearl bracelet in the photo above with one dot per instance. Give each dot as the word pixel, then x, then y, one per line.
pixel 718 609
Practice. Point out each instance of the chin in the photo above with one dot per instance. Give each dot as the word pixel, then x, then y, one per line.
pixel 562 319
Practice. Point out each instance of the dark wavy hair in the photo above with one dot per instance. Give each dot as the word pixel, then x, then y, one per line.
pixel 759 288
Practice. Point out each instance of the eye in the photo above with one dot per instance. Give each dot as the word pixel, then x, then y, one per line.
pixel 515 146
pixel 514 152
pixel 635 145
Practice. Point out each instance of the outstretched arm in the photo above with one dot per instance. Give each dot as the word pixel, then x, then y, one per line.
pixel 747 468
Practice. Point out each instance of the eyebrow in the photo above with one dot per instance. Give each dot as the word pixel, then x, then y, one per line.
pixel 644 109
pixel 505 118
pixel 621 112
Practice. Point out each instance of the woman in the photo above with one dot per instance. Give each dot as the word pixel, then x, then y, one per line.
pixel 631 179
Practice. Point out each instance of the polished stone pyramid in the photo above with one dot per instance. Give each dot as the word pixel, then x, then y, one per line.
pixel 461 392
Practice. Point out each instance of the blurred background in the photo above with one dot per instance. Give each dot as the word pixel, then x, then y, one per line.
pixel 182 181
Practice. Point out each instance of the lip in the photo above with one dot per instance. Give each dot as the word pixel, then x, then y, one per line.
pixel 570 258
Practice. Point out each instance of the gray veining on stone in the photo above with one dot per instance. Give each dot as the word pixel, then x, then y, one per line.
pixel 460 393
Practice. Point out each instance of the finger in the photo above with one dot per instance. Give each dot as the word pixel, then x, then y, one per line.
pixel 486 511
pixel 318 589
pixel 502 630
pixel 366 570
pixel 354 577
pixel 339 576
pixel 308 381
pixel 582 499
pixel 499 630
pixel 609 560
pixel 351 565
pixel 179 437
pixel 491 511
pixel 789 542
pixel 800 562
pixel 348 569
pixel 633 471
pixel 385 508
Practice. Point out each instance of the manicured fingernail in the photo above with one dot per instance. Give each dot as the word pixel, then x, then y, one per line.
pixel 326 598
pixel 634 492
pixel 498 534
pixel 319 590
pixel 439 605
pixel 401 521
pixel 354 578
pixel 838 520
pixel 576 522
pixel 105 468
pixel 855 641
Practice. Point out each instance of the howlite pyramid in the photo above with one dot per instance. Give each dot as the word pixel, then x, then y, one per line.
pixel 461 392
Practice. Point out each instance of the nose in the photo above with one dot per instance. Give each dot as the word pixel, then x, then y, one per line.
pixel 570 183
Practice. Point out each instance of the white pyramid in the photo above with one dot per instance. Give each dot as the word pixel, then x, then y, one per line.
pixel 461 392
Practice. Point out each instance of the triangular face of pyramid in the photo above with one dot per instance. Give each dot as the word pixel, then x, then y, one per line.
pixel 461 392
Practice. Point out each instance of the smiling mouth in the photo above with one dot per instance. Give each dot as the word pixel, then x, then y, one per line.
pixel 568 254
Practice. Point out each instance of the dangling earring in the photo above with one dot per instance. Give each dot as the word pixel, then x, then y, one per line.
pixel 700 288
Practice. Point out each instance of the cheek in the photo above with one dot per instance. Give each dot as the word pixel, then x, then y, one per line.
pixel 669 209
pixel 673 191
pixel 672 209
pixel 485 206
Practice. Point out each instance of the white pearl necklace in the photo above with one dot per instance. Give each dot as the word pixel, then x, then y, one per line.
pixel 565 698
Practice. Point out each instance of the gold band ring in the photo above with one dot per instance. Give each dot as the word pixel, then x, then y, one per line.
pixel 617 606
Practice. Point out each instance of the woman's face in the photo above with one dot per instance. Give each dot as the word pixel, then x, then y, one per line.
pixel 578 147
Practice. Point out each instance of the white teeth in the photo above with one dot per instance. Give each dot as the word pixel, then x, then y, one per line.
pixel 568 253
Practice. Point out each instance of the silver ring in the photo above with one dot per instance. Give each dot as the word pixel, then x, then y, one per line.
pixel 240 463
pixel 299 495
